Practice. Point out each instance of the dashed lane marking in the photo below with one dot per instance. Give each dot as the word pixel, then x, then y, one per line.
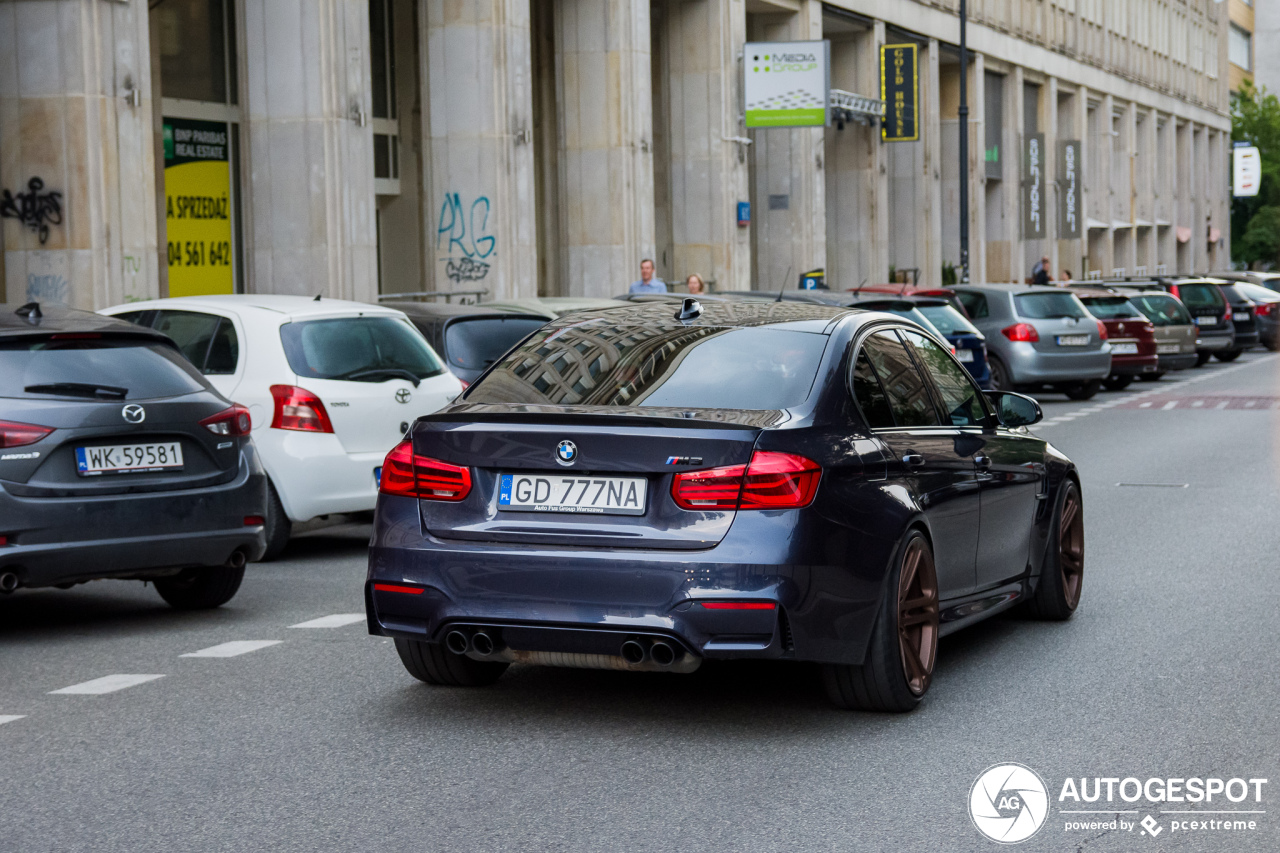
pixel 9 718
pixel 106 684
pixel 232 649
pixel 337 620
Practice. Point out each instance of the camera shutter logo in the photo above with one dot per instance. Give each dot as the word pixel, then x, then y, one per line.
pixel 566 452
pixel 133 413
pixel 1008 803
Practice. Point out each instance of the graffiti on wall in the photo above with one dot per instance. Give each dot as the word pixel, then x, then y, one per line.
pixel 463 238
pixel 35 209
pixel 48 288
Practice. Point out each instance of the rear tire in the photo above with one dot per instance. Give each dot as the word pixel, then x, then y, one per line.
pixel 434 664
pixel 1084 390
pixel 1152 377
pixel 1117 383
pixel 904 642
pixel 1202 357
pixel 277 526
pixel 200 589
pixel 999 374
pixel 1229 355
pixel 1062 576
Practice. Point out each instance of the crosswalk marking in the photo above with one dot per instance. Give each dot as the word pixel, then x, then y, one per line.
pixel 337 620
pixel 231 649
pixel 9 718
pixel 106 684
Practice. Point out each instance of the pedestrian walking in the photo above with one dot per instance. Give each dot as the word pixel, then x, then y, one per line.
pixel 647 283
pixel 1040 272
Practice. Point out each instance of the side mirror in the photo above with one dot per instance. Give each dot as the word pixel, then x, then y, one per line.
pixel 1015 410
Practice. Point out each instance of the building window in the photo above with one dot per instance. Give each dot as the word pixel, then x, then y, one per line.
pixel 197 50
pixel 386 127
pixel 1240 47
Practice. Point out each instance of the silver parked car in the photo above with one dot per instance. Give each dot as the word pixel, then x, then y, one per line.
pixel 1039 335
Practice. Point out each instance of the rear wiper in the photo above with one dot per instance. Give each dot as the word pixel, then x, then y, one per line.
pixel 79 389
pixel 390 372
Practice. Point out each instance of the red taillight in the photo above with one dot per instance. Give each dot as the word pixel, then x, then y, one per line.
pixel 1024 332
pixel 4 540
pixel 1102 331
pixel 16 435
pixel 772 480
pixel 391 587
pixel 233 421
pixel 299 409
pixel 1263 309
pixel 739 605
pixel 254 521
pixel 409 475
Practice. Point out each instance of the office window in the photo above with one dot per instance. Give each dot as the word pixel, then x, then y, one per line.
pixel 1240 47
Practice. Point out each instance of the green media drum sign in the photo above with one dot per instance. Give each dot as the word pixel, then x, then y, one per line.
pixel 787 83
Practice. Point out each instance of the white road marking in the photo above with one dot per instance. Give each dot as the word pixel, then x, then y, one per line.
pixel 106 684
pixel 231 649
pixel 337 620
pixel 1169 405
pixel 1145 405
pixel 9 718
pixel 1222 405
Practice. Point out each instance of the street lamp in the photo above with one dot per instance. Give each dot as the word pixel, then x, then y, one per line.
pixel 963 113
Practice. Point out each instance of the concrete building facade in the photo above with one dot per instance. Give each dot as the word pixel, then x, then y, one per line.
pixel 509 148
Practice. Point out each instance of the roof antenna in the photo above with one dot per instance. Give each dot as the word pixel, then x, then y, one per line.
pixel 31 311
pixel 690 309
pixel 785 279
pixel 317 299
pixel 858 289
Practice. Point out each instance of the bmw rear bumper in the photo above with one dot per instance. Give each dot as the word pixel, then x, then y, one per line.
pixel 64 540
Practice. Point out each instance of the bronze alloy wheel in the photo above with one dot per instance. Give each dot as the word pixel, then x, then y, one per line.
pixel 918 615
pixel 1071 549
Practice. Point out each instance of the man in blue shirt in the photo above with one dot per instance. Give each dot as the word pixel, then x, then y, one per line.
pixel 647 283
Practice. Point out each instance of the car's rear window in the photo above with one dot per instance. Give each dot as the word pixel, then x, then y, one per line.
pixel 359 349
pixel 948 320
pixel 1201 296
pixel 119 369
pixel 1048 306
pixel 599 363
pixel 1162 310
pixel 1111 308
pixel 476 344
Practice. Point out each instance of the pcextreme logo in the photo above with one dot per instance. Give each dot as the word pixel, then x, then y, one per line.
pixel 1009 803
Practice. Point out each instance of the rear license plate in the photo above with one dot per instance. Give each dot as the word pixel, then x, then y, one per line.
pixel 1206 321
pixel 964 354
pixel 554 493
pixel 1168 349
pixel 1073 340
pixel 128 459
pixel 1124 349
pixel 1240 316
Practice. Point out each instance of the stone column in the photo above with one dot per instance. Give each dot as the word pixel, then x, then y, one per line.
pixel 606 163
pixel 75 115
pixel 477 73
pixel 309 196
pixel 789 184
pixel 707 167
pixel 977 169
pixel 1049 161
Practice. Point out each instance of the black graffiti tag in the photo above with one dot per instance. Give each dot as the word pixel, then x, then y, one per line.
pixel 33 209
pixel 465 269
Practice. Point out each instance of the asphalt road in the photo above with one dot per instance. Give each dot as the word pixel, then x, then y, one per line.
pixel 321 741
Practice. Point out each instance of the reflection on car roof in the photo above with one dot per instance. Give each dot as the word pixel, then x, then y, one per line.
pixel 795 316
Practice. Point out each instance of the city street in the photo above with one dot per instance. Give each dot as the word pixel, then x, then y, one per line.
pixel 315 738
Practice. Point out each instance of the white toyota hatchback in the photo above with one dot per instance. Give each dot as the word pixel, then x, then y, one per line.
pixel 331 387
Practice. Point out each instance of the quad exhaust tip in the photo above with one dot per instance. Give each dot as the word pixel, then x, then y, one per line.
pixel 482 644
pixel 236 560
pixel 634 652
pixel 662 653
pixel 8 582
pixel 457 642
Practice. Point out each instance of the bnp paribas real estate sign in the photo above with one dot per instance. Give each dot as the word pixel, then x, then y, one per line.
pixel 787 83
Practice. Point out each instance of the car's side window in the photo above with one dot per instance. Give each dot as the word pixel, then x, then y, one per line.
pixel 192 331
pixel 975 304
pixel 138 318
pixel 961 400
pixel 224 350
pixel 871 398
pixel 909 398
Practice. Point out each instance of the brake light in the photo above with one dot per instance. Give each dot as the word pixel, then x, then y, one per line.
pixel 392 587
pixel 738 605
pixel 1024 332
pixel 14 434
pixel 1263 309
pixel 233 421
pixel 254 521
pixel 771 480
pixel 299 409
pixel 1102 331
pixel 409 475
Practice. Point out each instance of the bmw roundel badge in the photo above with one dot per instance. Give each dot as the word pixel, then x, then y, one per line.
pixel 566 452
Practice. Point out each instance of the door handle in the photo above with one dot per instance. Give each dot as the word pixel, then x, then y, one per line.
pixel 913 460
pixel 983 462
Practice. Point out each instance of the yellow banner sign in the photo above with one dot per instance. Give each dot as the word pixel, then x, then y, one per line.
pixel 197 189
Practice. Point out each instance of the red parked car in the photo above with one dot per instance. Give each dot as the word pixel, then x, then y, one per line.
pixel 1132 335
